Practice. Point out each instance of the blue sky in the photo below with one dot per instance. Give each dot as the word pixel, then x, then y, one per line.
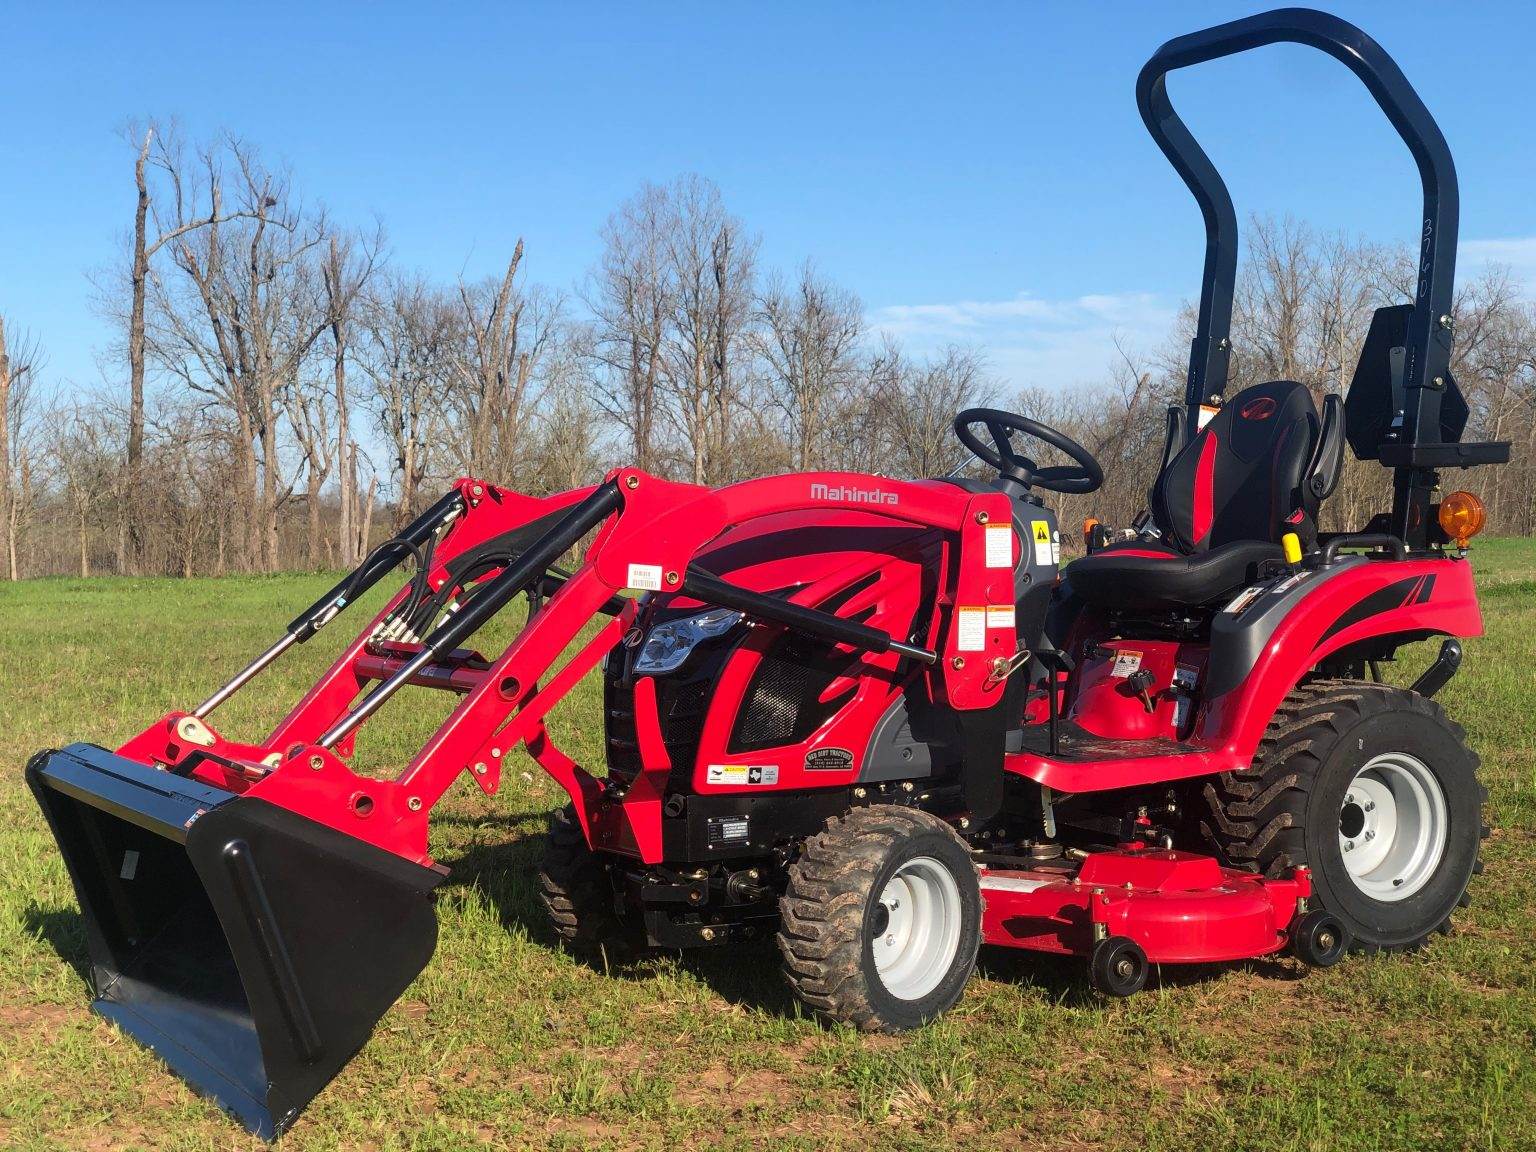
pixel 974 172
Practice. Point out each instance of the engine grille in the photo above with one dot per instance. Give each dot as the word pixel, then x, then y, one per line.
pixel 783 702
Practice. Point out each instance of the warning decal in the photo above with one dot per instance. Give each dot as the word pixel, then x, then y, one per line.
pixel 1126 663
pixel 999 539
pixel 765 774
pixel 1000 616
pixel 971 629
pixel 1040 534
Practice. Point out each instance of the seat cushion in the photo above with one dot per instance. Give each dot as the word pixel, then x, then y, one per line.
pixel 1141 576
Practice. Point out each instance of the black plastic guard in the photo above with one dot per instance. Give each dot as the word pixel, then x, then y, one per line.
pixel 253 949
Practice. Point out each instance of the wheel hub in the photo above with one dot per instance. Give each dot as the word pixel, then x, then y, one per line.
pixel 1393 826
pixel 914 930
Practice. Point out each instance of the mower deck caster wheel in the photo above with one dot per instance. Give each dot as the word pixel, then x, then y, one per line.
pixel 1118 966
pixel 1319 939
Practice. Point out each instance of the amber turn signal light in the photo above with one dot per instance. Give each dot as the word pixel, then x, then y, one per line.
pixel 1089 525
pixel 1462 516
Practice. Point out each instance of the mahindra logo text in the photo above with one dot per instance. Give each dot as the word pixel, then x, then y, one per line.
pixel 853 495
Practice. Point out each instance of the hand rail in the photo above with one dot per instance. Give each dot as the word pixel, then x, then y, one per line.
pixel 1364 540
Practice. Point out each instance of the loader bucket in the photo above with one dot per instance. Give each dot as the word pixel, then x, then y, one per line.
pixel 252 948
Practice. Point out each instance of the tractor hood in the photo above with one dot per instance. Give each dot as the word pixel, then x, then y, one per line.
pixel 796 549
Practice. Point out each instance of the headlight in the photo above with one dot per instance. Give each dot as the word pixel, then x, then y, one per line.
pixel 668 645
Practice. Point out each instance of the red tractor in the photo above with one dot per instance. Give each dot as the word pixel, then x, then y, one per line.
pixel 871 716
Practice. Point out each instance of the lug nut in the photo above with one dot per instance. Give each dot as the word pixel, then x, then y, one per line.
pixel 1349 845
pixel 1370 805
pixel 1370 835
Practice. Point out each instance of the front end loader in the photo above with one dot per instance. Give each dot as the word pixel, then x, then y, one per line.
pixel 875 719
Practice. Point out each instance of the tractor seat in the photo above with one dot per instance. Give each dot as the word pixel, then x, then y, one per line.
pixel 1258 469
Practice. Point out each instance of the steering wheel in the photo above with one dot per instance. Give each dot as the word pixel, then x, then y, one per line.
pixel 1082 475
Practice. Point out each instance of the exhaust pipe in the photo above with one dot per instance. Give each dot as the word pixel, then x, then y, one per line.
pixel 252 948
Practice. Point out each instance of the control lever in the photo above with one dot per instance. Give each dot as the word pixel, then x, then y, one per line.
pixel 1140 682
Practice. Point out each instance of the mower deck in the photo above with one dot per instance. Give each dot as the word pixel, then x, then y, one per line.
pixel 1181 908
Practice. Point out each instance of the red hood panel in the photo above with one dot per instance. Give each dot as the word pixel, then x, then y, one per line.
pixel 797 548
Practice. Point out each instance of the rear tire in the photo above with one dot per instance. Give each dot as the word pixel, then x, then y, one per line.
pixel 577 894
pixel 881 919
pixel 1372 788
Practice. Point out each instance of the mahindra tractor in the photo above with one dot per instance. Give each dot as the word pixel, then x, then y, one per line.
pixel 873 718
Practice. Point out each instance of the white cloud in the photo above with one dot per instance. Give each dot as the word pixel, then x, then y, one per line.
pixel 1030 340
pixel 1517 253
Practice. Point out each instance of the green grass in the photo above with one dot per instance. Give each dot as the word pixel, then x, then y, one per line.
pixel 505 1041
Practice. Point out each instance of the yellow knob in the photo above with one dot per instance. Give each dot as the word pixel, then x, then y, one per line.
pixel 1292 545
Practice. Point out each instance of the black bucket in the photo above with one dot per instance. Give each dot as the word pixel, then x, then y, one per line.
pixel 253 949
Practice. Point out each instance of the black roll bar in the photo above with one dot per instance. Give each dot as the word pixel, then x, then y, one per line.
pixel 1429 331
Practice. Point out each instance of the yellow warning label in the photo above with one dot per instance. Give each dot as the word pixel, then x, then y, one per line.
pixel 1040 534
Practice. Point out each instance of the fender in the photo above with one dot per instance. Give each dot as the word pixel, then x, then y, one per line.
pixel 1263 643
pixel 1261 651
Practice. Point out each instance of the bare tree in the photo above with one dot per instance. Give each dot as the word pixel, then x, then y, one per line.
pixel 409 362
pixel 158 149
pixel 349 266
pixel 710 267
pixel 917 403
pixel 79 439
pixel 242 333
pixel 508 335
pixel 809 341
pixel 630 297
pixel 20 361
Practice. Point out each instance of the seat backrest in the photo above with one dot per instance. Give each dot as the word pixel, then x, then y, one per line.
pixel 1258 469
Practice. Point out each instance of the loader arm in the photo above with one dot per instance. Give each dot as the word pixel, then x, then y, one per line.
pixel 648 533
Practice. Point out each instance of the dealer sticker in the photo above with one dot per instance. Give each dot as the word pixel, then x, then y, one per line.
pixel 644 577
pixel 999 546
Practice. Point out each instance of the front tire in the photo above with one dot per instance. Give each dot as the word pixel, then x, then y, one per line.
pixel 1372 788
pixel 881 919
pixel 577 894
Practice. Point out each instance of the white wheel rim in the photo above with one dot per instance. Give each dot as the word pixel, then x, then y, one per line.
pixel 915 929
pixel 1393 827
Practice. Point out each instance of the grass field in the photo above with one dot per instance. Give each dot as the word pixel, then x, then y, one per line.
pixel 504 1041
